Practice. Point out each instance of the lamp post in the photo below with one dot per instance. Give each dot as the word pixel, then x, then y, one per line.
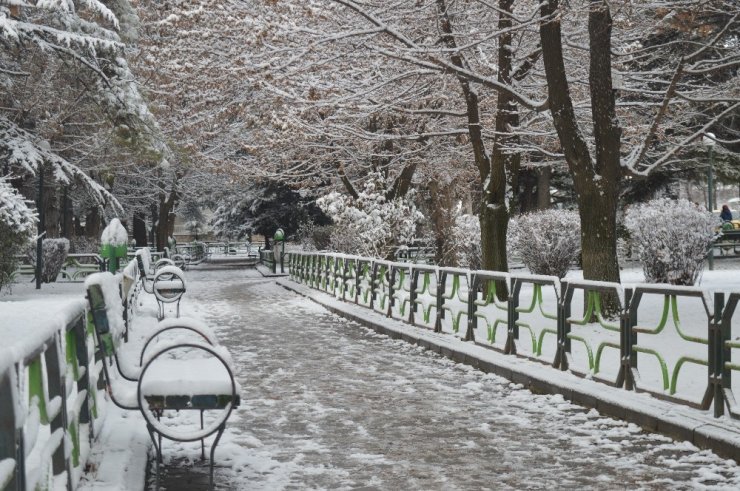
pixel 708 140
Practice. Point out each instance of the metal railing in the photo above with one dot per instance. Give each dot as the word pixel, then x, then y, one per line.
pixel 47 398
pixel 675 343
pixel 50 396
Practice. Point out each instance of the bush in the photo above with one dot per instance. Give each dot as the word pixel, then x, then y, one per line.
pixel 464 242
pixel 17 223
pixel 371 225
pixel 314 237
pixel 548 242
pixel 672 238
pixel 83 244
pixel 54 253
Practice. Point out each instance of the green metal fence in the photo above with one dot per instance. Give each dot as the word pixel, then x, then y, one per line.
pixel 675 343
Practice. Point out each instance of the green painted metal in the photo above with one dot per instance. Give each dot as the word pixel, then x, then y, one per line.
pixel 589 352
pixel 537 302
pixel 36 391
pixel 681 361
pixel 661 361
pixel 599 352
pixel 74 435
pixel 71 354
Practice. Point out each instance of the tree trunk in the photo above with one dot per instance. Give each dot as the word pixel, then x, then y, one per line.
pixel 441 215
pixel 166 223
pixel 51 209
pixel 92 223
pixel 139 230
pixel 493 214
pixel 596 182
pixel 543 187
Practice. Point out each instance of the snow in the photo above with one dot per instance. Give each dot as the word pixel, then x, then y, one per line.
pixel 27 324
pixel 7 466
pixel 13 210
pixel 324 392
pixel 114 234
pixel 186 377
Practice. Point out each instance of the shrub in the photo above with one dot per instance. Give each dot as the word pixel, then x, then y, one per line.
pixel 464 241
pixel 17 224
pixel 54 253
pixel 370 225
pixel 83 244
pixel 672 238
pixel 548 241
pixel 314 237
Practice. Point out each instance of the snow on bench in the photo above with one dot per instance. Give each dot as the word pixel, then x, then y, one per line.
pixel 172 375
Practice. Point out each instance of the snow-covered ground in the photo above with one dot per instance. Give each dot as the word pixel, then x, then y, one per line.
pixel 327 403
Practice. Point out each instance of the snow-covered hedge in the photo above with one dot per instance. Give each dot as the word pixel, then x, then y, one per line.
pixel 548 241
pixel 55 252
pixel 370 225
pixel 465 241
pixel 672 238
pixel 17 226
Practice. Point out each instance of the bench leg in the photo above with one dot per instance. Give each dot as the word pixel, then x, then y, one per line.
pixel 213 452
pixel 202 440
pixel 158 456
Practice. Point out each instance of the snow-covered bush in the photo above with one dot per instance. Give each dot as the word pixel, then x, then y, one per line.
pixel 17 225
pixel 464 241
pixel 672 238
pixel 313 237
pixel 83 244
pixel 548 241
pixel 370 225
pixel 54 252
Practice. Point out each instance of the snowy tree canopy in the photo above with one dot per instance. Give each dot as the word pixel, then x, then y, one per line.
pixel 14 213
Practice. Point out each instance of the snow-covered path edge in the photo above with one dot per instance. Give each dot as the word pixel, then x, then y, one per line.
pixel 721 435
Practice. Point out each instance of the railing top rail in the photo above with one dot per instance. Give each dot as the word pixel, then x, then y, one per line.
pixel 684 291
pixel 39 335
pixel 483 274
pixel 539 279
pixel 601 286
pixel 458 271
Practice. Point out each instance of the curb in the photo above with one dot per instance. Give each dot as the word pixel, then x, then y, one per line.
pixel 267 273
pixel 682 423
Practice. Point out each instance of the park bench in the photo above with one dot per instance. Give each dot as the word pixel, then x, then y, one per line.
pixel 78 266
pixel 144 376
pixel 166 281
pixel 729 242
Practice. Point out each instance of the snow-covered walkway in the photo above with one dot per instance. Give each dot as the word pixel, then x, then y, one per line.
pixel 327 403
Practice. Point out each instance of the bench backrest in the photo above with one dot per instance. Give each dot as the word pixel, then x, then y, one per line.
pixel 106 309
pixel 144 260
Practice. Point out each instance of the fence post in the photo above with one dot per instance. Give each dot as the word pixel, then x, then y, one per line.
pixel 413 285
pixel 716 351
pixel 391 285
pixel 563 314
pixel 624 377
pixel 472 307
pixel 441 279
pixel 512 317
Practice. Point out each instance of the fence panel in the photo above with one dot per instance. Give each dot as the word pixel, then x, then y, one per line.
pixel 594 344
pixel 489 315
pixel 673 342
pixel 670 343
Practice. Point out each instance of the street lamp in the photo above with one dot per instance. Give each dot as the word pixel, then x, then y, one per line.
pixel 708 140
